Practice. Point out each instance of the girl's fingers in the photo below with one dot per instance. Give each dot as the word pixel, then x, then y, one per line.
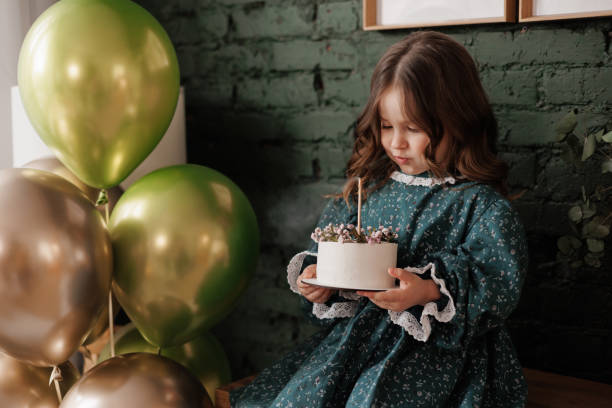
pixel 306 274
pixel 302 284
pixel 400 274
pixel 320 296
pixel 310 272
pixel 382 296
pixel 311 291
pixel 382 305
pixel 320 299
pixel 389 299
pixel 308 290
pixel 388 305
pixel 318 292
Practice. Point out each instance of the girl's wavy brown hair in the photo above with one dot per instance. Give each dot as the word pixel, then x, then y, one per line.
pixel 443 95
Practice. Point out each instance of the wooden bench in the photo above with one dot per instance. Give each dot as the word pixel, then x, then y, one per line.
pixel 554 390
pixel 546 390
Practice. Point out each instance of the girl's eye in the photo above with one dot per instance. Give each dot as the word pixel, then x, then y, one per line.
pixel 386 126
pixel 413 130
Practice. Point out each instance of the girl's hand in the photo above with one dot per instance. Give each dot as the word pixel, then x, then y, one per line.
pixel 315 294
pixel 412 291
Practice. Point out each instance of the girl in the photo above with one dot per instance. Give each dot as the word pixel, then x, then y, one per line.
pixel 425 150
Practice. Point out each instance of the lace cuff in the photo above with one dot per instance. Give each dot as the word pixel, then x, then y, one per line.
pixel 338 309
pixel 295 268
pixel 321 310
pixel 421 330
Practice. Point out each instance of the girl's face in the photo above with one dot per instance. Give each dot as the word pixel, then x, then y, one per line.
pixel 403 141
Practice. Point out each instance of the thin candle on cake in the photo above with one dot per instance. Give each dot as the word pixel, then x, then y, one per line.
pixel 359 205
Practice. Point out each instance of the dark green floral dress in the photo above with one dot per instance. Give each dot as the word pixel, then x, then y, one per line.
pixel 455 352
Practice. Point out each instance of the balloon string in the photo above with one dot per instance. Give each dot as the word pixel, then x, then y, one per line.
pixel 111 325
pixel 56 377
pixel 86 352
pixel 57 390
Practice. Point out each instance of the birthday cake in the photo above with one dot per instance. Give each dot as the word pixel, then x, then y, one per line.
pixel 351 258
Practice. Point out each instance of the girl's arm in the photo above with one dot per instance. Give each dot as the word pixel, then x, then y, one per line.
pixel 479 282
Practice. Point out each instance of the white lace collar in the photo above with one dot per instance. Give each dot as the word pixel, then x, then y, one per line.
pixel 420 180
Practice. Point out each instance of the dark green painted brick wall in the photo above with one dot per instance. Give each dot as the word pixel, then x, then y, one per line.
pixel 273 88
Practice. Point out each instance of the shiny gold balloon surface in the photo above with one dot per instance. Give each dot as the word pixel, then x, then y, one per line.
pixel 203 356
pixel 55 266
pixel 99 80
pixel 185 241
pixel 23 385
pixel 56 167
pixel 138 380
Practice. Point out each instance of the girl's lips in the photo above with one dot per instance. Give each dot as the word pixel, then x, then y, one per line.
pixel 401 160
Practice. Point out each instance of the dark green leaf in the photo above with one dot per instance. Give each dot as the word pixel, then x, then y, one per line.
pixel 589 147
pixel 565 126
pixel 598 135
pixel 572 151
pixel 595 245
pixel 567 244
pixel 607 137
pixel 575 214
pixel 606 166
pixel 592 260
pixel 588 210
pixel 559 137
pixel 593 229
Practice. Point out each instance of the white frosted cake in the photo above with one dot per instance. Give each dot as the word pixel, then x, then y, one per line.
pixel 356 265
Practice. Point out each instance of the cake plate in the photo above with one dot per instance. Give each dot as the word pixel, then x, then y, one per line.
pixel 315 282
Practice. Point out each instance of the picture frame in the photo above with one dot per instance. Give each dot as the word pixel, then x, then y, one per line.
pixel 393 14
pixel 546 10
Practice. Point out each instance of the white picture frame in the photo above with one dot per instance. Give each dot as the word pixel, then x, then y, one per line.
pixel 545 10
pixel 399 14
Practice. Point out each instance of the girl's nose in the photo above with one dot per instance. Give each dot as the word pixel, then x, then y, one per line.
pixel 398 141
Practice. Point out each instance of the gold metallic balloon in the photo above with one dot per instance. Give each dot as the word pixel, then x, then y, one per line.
pixel 185 242
pixel 138 380
pixel 26 386
pixel 99 80
pixel 55 266
pixel 203 356
pixel 56 167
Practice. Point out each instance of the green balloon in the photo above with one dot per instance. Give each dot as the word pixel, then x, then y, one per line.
pixel 203 356
pixel 99 80
pixel 185 244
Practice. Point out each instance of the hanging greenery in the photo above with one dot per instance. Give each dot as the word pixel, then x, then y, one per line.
pixel 590 218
